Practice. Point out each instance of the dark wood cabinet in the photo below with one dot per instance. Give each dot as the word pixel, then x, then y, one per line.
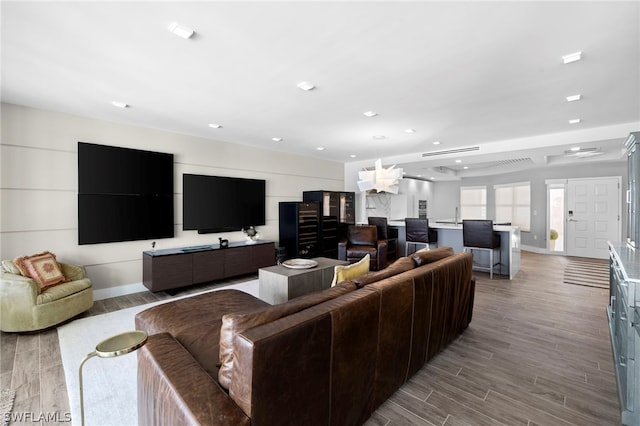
pixel 181 267
pixel 174 270
pixel 208 265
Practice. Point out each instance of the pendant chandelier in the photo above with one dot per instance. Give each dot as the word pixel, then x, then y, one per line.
pixel 380 179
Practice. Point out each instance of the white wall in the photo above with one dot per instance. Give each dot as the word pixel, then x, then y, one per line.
pixel 39 185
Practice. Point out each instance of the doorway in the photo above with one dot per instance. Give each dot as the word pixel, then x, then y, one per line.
pixel 556 217
pixel 592 216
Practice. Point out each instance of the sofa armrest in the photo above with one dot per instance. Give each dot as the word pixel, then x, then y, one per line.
pixel 18 296
pixel 173 389
pixel 382 254
pixel 19 290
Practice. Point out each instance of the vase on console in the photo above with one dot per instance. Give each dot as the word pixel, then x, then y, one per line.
pixel 252 234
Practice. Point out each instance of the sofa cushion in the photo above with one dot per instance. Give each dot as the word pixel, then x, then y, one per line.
pixel 58 292
pixel 10 267
pixel 44 269
pixel 237 322
pixel 424 256
pixel 399 266
pixel 348 272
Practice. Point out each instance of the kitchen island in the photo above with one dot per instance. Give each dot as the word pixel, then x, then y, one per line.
pixel 450 234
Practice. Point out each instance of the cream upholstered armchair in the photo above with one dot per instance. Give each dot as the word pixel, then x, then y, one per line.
pixel 25 305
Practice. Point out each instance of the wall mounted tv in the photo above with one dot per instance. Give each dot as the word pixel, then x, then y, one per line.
pixel 123 194
pixel 222 204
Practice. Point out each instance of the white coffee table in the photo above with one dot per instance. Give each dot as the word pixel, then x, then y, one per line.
pixel 277 284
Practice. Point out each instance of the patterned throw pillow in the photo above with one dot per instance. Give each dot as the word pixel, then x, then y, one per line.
pixel 44 269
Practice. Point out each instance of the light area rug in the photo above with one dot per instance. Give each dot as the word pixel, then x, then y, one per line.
pixel 587 272
pixel 110 384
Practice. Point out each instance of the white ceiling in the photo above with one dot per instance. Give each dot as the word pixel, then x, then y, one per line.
pixel 468 74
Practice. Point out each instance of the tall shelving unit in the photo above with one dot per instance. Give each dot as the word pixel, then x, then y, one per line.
pixel 328 225
pixel 337 212
pixel 299 224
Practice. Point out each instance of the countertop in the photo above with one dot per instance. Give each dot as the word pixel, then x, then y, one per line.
pixel 453 226
pixel 629 258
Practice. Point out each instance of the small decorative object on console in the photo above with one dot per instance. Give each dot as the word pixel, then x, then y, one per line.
pixel 251 233
pixel 223 243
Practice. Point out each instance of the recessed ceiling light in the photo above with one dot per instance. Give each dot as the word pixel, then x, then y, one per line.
pixel 370 113
pixel 410 131
pixel 465 167
pixel 180 30
pixel 574 98
pixel 214 126
pixel 436 142
pixel 118 104
pixel 320 148
pixel 305 85
pixel 276 139
pixel 575 148
pixel 458 161
pixel 353 156
pixel 378 137
pixel 572 57
pixel 575 121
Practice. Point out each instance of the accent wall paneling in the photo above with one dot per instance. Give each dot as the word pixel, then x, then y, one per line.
pixel 39 167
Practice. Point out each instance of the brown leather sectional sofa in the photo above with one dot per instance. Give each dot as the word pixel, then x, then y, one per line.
pixel 227 358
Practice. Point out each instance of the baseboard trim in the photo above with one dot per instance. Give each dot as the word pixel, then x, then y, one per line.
pixel 121 290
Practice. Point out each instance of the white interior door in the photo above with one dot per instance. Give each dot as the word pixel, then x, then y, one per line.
pixel 593 216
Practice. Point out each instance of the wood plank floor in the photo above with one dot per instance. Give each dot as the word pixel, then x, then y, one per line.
pixel 536 353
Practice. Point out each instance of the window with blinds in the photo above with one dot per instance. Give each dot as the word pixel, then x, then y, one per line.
pixel 513 204
pixel 473 202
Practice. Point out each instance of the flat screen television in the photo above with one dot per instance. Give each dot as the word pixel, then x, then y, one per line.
pixel 222 204
pixel 124 194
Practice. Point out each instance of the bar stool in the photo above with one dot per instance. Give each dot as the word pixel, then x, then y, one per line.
pixel 383 234
pixel 418 232
pixel 479 235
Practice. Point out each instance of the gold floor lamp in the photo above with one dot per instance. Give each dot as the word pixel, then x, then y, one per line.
pixel 120 344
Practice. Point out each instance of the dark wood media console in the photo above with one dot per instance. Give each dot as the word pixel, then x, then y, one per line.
pixel 180 267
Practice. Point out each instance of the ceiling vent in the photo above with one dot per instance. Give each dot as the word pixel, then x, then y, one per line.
pixel 450 151
pixel 512 162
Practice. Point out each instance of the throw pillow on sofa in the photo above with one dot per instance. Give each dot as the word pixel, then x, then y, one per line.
pixel 10 267
pixel 44 269
pixel 41 267
pixel 348 272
